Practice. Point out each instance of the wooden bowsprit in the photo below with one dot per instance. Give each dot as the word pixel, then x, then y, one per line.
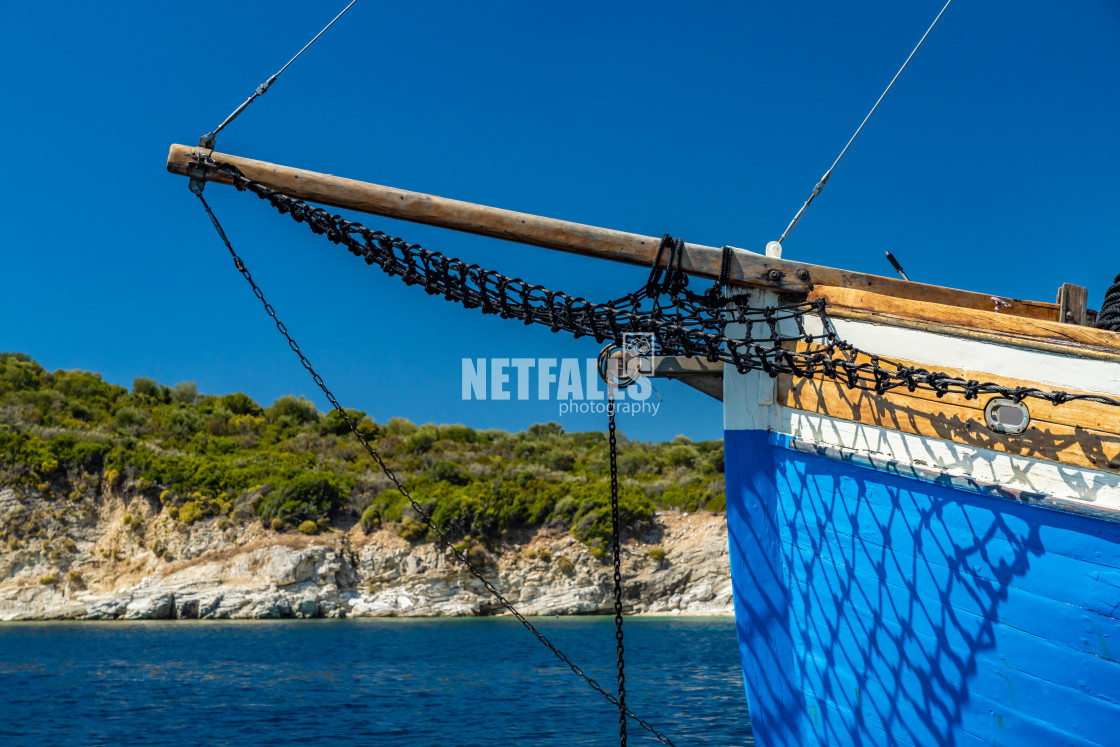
pixel 747 269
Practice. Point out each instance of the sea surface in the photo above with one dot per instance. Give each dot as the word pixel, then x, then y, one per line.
pixel 365 682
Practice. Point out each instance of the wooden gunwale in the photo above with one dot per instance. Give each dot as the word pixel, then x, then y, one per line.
pixel 986 326
pixel 1079 433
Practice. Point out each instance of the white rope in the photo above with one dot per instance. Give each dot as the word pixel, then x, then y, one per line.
pixel 824 179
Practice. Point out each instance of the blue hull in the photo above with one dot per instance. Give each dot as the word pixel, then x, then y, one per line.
pixel 876 608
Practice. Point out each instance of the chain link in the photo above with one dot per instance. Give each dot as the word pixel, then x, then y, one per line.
pixel 616 541
pixel 442 537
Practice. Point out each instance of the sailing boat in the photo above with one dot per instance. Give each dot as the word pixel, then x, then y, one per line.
pixel 927 564
pixel 925 547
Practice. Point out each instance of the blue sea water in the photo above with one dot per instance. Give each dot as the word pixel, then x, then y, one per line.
pixel 364 682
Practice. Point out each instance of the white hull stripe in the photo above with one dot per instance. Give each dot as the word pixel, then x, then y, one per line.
pixel 1066 487
pixel 960 482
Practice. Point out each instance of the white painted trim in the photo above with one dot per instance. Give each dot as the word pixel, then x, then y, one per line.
pixel 1099 489
pixel 748 399
pixel 945 351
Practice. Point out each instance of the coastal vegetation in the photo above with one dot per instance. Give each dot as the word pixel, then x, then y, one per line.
pixel 68 436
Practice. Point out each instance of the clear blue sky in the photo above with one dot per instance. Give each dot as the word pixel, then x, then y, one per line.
pixel 992 166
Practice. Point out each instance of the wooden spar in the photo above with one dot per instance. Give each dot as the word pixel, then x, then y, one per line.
pixel 747 268
pixel 1036 334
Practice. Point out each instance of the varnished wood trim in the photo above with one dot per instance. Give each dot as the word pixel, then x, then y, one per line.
pixel 987 326
pixel 903 411
pixel 1073 304
pixel 1091 415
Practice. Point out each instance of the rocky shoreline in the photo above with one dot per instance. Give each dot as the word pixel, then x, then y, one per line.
pixel 128 566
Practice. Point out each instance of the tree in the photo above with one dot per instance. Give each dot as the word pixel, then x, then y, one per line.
pixel 300 411
pixel 240 403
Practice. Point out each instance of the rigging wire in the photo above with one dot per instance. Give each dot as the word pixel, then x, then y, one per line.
pixel 824 179
pixel 207 140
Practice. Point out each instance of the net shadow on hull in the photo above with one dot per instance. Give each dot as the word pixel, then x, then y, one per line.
pixel 876 609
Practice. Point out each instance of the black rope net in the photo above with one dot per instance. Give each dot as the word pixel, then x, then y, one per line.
pixel 1109 316
pixel 797 339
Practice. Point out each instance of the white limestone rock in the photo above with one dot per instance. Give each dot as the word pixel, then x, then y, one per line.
pixel 256 574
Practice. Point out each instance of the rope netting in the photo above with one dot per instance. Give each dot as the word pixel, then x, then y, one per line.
pixel 1109 316
pixel 797 339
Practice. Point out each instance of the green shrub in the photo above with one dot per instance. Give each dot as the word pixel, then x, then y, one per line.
pixel 447 472
pixel 369 430
pixel 371 518
pixel 130 418
pixel 594 517
pixel 656 553
pixel 183 422
pixel 412 530
pixel 717 503
pixel 713 461
pixel 478 556
pixel 421 441
pixel 308 527
pixel 565 508
pixel 218 423
pixel 48 579
pixel 683 497
pixel 633 462
pixel 561 461
pixel 335 424
pixel 545 430
pixel 75 577
pixel 458 433
pixel 240 403
pixel 300 411
pixel 185 393
pixel 192 511
pixel 277 524
pixel 565 565
pixel 400 427
pixel 308 496
pixel 145 387
pixel 681 455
